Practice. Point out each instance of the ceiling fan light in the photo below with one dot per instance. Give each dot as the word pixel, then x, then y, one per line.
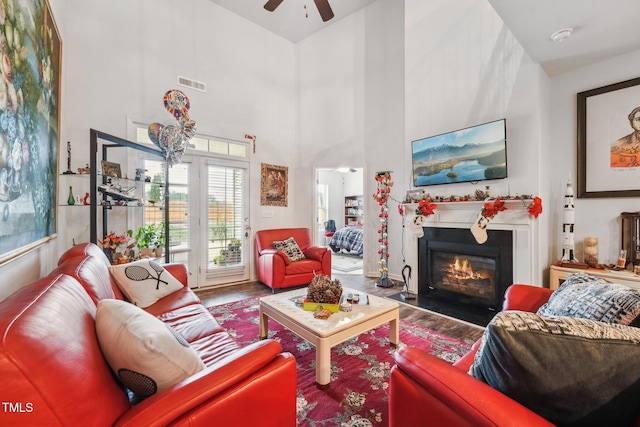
pixel 561 35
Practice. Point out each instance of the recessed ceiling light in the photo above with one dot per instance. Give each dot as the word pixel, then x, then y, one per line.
pixel 561 35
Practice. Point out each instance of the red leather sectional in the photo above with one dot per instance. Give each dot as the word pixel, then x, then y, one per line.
pixel 53 372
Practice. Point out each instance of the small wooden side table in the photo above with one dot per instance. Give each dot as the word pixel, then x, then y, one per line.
pixel 557 275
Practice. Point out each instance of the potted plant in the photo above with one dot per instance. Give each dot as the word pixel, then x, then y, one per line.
pixel 149 238
pixel 159 239
pixel 220 259
pixel 232 254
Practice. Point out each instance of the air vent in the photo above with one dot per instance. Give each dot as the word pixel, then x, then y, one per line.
pixel 183 81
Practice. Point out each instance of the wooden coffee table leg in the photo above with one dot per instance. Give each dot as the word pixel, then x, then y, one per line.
pixel 394 332
pixel 264 325
pixel 323 365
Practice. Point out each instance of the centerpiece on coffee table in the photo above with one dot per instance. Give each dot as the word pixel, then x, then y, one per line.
pixel 323 293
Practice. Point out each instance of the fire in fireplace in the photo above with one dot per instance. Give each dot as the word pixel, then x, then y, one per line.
pixel 468 275
pixel 459 277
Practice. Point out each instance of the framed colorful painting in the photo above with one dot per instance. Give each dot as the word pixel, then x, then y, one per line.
pixel 273 185
pixel 609 141
pixel 29 126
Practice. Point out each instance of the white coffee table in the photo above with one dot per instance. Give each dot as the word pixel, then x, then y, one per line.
pixel 324 334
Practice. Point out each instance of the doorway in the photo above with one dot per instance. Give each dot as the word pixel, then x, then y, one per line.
pixel 336 189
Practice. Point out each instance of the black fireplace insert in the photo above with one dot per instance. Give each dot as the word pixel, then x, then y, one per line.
pixel 462 278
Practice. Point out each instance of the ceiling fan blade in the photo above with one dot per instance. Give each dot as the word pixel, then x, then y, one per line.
pixel 325 10
pixel 272 4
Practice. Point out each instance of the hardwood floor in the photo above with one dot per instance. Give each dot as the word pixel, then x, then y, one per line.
pixel 427 319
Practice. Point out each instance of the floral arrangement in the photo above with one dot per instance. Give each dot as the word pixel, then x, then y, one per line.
pixel 382 196
pixel 384 187
pixel 491 209
pixel 113 241
pixel 535 207
pixel 425 207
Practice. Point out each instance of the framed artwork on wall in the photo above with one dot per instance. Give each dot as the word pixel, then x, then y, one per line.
pixel 29 127
pixel 609 141
pixel 273 185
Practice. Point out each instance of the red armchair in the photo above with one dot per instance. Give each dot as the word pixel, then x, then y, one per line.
pixel 425 390
pixel 276 270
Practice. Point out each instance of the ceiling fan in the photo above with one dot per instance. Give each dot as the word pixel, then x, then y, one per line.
pixel 323 7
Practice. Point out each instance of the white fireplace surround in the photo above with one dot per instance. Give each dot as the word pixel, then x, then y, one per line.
pixel 463 215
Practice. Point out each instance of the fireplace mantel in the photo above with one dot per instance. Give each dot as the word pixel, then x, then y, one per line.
pixel 463 215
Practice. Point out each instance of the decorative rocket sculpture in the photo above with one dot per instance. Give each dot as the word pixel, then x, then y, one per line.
pixel 568 221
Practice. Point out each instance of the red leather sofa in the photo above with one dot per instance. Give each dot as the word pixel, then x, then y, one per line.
pixel 273 266
pixel 426 390
pixel 53 372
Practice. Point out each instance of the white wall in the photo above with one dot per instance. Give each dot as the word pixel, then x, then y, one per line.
pixel 118 61
pixel 351 98
pixel 123 72
pixel 353 183
pixel 598 217
pixel 354 94
pixel 464 67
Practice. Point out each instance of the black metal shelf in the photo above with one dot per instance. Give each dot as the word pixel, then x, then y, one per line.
pixel 116 142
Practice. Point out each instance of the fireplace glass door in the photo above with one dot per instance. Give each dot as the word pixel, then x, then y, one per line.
pixel 469 277
pixel 453 267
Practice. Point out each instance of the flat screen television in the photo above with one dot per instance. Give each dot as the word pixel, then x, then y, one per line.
pixel 476 153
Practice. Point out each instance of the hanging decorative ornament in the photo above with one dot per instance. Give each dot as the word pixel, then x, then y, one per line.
pixel 382 195
pixel 252 138
pixel 173 139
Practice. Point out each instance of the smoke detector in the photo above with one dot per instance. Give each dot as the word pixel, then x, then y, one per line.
pixel 561 35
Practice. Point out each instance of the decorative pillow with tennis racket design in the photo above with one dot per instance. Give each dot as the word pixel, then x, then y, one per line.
pixel 145 354
pixel 144 282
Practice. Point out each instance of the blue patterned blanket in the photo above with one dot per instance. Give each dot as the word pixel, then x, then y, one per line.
pixel 349 238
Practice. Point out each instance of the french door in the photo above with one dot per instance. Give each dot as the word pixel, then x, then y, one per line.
pixel 208 217
pixel 223 225
pixel 208 208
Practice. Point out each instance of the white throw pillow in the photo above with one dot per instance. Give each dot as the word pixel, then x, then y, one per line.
pixel 145 354
pixel 144 282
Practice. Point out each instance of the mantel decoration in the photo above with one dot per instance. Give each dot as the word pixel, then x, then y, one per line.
pixel 493 208
pixel 382 195
pixel 490 209
pixel 423 211
pixel 30 53
pixel 171 139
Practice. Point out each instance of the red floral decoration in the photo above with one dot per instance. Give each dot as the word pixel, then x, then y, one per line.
pixel 491 209
pixel 113 241
pixel 425 207
pixel 535 207
pixel 384 187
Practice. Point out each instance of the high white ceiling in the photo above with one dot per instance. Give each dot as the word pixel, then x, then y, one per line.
pixel 602 28
pixel 293 19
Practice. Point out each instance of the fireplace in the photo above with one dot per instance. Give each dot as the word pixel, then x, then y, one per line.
pixel 461 278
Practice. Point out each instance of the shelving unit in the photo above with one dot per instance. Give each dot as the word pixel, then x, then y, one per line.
pixel 630 232
pixel 353 213
pixel 124 195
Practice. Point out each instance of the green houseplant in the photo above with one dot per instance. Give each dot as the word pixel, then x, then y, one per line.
pixel 149 238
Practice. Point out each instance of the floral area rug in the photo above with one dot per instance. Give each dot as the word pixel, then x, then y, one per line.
pixel 358 394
